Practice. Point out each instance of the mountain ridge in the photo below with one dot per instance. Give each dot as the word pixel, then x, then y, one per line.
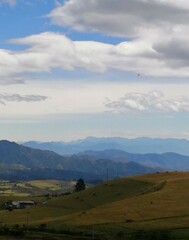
pixel 32 161
pixel 136 145
pixel 169 160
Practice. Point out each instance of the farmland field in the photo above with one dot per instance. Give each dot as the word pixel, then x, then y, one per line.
pixel 35 187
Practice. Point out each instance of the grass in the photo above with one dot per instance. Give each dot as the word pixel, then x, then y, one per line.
pixel 149 205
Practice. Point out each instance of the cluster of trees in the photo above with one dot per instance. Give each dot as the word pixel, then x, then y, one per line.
pixel 80 185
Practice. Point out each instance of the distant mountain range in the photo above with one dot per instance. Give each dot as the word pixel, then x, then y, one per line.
pixel 17 161
pixel 21 162
pixel 138 145
pixel 169 161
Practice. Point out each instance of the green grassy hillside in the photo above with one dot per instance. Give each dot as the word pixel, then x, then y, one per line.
pixel 142 203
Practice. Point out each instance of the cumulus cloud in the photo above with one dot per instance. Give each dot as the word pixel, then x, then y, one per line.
pixel 48 51
pixel 45 52
pixel 121 17
pixel 159 45
pixel 159 31
pixel 20 98
pixel 153 101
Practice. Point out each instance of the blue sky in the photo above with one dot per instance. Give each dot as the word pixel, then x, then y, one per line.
pixel 30 17
pixel 78 68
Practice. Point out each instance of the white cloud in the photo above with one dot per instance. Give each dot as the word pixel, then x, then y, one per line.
pixel 153 101
pixel 87 97
pixel 48 51
pixel 121 17
pixel 160 46
pixel 159 29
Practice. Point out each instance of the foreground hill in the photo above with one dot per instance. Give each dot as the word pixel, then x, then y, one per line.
pixel 153 197
pixel 144 207
pixel 20 162
pixel 138 145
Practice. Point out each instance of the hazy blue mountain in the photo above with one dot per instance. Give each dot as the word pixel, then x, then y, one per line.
pixel 170 160
pixel 17 161
pixel 13 153
pixel 101 166
pixel 138 145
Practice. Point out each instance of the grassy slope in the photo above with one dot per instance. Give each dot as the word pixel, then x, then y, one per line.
pixel 156 200
pixel 166 207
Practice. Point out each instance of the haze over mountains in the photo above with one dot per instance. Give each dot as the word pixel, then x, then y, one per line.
pixel 169 161
pixel 138 145
pixel 18 161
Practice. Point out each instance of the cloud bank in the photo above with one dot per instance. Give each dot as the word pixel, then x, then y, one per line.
pixel 153 101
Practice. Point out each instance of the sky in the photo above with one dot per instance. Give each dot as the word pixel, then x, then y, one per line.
pixel 77 68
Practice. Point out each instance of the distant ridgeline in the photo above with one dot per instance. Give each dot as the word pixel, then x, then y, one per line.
pixel 138 145
pixel 21 162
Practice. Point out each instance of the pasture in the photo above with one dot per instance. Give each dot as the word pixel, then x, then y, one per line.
pixel 153 206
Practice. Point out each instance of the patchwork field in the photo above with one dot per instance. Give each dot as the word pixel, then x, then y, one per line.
pixel 35 187
pixel 151 206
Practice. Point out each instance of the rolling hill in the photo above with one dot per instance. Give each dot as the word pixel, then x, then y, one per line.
pixel 153 206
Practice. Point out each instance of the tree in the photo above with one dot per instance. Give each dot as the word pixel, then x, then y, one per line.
pixel 80 185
